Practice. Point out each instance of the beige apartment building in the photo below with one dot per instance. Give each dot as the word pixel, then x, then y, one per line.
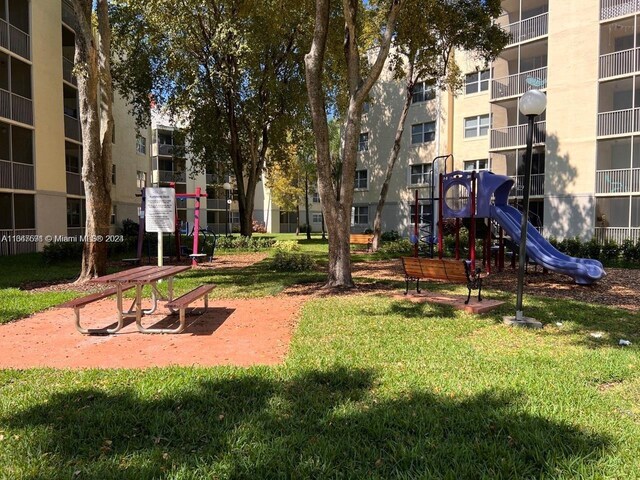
pixel 585 55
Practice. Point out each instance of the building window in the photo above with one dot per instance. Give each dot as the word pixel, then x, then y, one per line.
pixel 316 218
pixel 360 215
pixel 423 132
pixel 476 82
pixel 74 213
pixel 113 174
pixel 422 92
pixel 477 165
pixel 477 126
pixel 420 174
pixel 316 197
pixel 424 214
pixel 141 179
pixel 363 142
pixel 141 145
pixel 361 180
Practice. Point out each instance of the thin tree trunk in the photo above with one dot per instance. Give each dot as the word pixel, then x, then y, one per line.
pixel 95 93
pixel 306 203
pixel 393 157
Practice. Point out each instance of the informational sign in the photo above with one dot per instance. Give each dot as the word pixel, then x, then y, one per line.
pixel 160 209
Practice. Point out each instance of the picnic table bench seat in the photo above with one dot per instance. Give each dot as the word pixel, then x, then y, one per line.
pixel 78 303
pixel 182 303
pixel 454 271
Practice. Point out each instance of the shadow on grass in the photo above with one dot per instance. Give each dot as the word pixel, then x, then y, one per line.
pixel 409 309
pixel 316 424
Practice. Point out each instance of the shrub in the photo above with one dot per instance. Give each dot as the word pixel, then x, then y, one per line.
pixel 610 250
pixel 390 236
pixel 59 251
pixel 630 251
pixel 573 246
pixel 398 247
pixel 292 262
pixel 130 228
pixel 591 249
pixel 286 246
pixel 244 243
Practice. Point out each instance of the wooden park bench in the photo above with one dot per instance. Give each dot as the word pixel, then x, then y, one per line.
pixel 183 302
pixel 361 239
pixel 78 303
pixel 453 271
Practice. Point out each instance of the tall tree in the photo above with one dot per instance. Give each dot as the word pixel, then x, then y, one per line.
pixel 423 51
pixel 95 92
pixel 230 68
pixel 356 83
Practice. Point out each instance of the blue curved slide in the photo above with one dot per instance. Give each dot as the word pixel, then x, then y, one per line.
pixel 583 271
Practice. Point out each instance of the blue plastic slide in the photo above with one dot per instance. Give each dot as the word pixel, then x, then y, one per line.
pixel 583 271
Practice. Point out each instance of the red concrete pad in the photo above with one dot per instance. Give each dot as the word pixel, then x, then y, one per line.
pixel 232 332
pixel 486 305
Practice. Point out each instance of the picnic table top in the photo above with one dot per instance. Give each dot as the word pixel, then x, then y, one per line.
pixel 145 274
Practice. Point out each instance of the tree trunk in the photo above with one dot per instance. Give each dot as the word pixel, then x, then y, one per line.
pixel 393 157
pixel 95 92
pixel 306 204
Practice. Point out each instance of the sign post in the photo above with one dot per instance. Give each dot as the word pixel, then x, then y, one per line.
pixel 160 206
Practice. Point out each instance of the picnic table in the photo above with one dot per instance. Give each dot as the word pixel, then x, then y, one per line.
pixel 137 278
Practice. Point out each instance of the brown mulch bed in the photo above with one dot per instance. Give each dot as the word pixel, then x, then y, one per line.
pixel 618 289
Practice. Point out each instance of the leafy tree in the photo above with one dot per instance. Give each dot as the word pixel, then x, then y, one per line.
pixel 95 92
pixel 358 18
pixel 231 69
pixel 424 49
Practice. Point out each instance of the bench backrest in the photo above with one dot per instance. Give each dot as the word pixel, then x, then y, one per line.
pixel 434 268
pixel 363 238
pixel 412 267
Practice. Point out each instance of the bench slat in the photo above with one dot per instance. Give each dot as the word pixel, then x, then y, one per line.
pixel 189 297
pixel 82 301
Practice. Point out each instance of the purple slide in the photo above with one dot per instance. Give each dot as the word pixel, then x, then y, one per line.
pixel 583 271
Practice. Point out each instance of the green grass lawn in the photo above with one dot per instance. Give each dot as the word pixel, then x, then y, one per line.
pixel 372 388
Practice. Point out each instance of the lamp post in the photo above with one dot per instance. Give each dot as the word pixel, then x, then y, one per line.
pixel 532 104
pixel 227 202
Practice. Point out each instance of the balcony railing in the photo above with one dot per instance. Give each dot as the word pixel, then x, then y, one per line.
pixel 617 8
pixel 23 177
pixel 74 184
pixel 19 42
pixel 519 83
pixel 67 71
pixel 16 107
pixel 516 135
pixel 71 127
pixel 528 29
pixel 13 247
pixel 623 180
pixel 5 174
pixel 618 122
pixel 4 34
pixel 619 63
pixel 161 149
pixel 171 176
pixel 617 234
pixel 537 185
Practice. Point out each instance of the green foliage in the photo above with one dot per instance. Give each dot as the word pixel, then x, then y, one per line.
pixel 630 251
pixel 130 228
pixel 244 243
pixel 610 251
pixel 396 247
pixel 55 252
pixel 390 236
pixel 591 249
pixel 286 246
pixel 292 262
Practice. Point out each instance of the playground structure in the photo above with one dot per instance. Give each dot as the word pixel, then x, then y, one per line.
pixel 481 198
pixel 195 254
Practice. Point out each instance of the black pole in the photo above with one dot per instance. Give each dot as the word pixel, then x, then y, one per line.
pixel 433 200
pixel 525 217
pixel 226 221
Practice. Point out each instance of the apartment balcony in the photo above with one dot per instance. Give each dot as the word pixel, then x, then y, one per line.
pixel 216 204
pixel 67 71
pixel 624 180
pixel 15 40
pixel 19 176
pixel 537 185
pixel 74 184
pixel 16 107
pixel 516 136
pixel 619 122
pixel 620 63
pixel 71 128
pixel 528 29
pixel 161 150
pixel 617 234
pixel 618 8
pixel 68 16
pixel 519 83
pixel 168 176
